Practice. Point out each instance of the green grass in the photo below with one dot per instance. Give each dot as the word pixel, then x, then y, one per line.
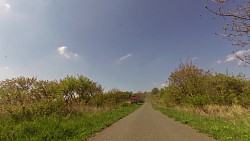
pixel 55 127
pixel 217 128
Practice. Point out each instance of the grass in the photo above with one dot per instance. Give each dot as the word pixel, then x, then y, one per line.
pixel 55 127
pixel 218 128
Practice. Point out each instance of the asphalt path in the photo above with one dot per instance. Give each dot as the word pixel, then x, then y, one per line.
pixel 146 124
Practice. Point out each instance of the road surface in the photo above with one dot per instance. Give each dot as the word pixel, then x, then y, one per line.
pixel 146 124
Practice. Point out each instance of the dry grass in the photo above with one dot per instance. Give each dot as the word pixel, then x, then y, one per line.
pixel 235 114
pixel 227 112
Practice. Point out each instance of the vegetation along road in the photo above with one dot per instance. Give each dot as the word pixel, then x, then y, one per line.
pixel 146 124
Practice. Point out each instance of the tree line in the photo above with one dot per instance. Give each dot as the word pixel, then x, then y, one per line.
pixel 24 97
pixel 191 86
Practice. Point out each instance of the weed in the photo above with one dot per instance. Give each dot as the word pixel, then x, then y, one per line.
pixel 57 127
pixel 218 128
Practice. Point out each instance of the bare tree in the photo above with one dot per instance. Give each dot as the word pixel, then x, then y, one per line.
pixel 236 14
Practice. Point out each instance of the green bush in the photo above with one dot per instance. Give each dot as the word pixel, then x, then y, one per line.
pixel 22 98
pixel 191 86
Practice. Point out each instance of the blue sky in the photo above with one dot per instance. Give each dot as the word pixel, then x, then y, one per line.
pixel 127 44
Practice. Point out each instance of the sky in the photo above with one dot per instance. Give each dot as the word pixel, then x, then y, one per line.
pixel 131 45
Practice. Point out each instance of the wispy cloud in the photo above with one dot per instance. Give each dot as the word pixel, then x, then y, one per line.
pixel 11 14
pixel 123 58
pixel 219 61
pixel 194 58
pixel 164 85
pixel 65 53
pixel 159 85
pixel 233 57
pixel 230 58
pixel 4 6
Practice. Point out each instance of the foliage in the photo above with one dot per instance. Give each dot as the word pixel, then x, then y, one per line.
pixel 22 98
pixel 57 127
pixel 237 17
pixel 155 91
pixel 188 85
pixel 111 99
pixel 141 96
pixel 32 109
pixel 191 86
pixel 80 88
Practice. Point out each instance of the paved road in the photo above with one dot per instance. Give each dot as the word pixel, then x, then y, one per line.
pixel 146 124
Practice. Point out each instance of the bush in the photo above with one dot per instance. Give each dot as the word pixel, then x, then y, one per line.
pixel 191 86
pixel 22 98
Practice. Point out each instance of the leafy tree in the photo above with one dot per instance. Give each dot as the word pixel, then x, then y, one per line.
pixel 68 88
pixel 80 87
pixel 47 90
pixel 86 88
pixel 225 89
pixel 192 86
pixel 18 91
pixel 22 98
pixel 155 91
pixel 236 13
pixel 188 84
pixel 118 96
pixel 245 96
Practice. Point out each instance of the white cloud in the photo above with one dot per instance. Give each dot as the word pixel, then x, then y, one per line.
pixel 219 61
pixel 65 53
pixel 4 6
pixel 164 85
pixel 10 14
pixel 230 58
pixel 123 58
pixel 240 63
pixel 194 58
pixel 233 57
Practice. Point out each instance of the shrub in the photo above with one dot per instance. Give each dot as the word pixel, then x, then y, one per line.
pixel 191 86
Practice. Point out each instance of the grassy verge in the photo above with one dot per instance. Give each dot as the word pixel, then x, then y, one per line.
pixel 56 127
pixel 218 128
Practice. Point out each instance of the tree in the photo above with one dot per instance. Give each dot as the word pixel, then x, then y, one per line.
pixel 155 91
pixel 79 87
pixel 236 13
